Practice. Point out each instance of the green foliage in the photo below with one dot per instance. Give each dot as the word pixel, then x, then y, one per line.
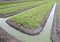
pixel 32 18
pixel 5 9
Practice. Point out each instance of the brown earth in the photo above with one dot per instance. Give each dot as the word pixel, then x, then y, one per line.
pixel 5 37
pixel 55 34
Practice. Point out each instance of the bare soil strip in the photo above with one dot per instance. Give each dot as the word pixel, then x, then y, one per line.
pixel 55 34
pixel 5 37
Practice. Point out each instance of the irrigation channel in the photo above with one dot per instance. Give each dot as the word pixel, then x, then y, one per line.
pixel 44 36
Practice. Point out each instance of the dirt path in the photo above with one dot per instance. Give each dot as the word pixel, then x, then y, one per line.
pixel 5 37
pixel 55 27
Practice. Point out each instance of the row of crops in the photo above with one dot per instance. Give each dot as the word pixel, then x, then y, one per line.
pixel 5 9
pixel 32 18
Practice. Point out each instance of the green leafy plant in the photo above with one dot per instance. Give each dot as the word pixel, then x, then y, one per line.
pixel 32 18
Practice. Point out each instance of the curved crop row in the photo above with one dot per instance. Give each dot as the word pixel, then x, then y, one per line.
pixel 33 17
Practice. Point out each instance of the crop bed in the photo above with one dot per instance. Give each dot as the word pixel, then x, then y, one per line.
pixel 31 20
pixel 8 8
